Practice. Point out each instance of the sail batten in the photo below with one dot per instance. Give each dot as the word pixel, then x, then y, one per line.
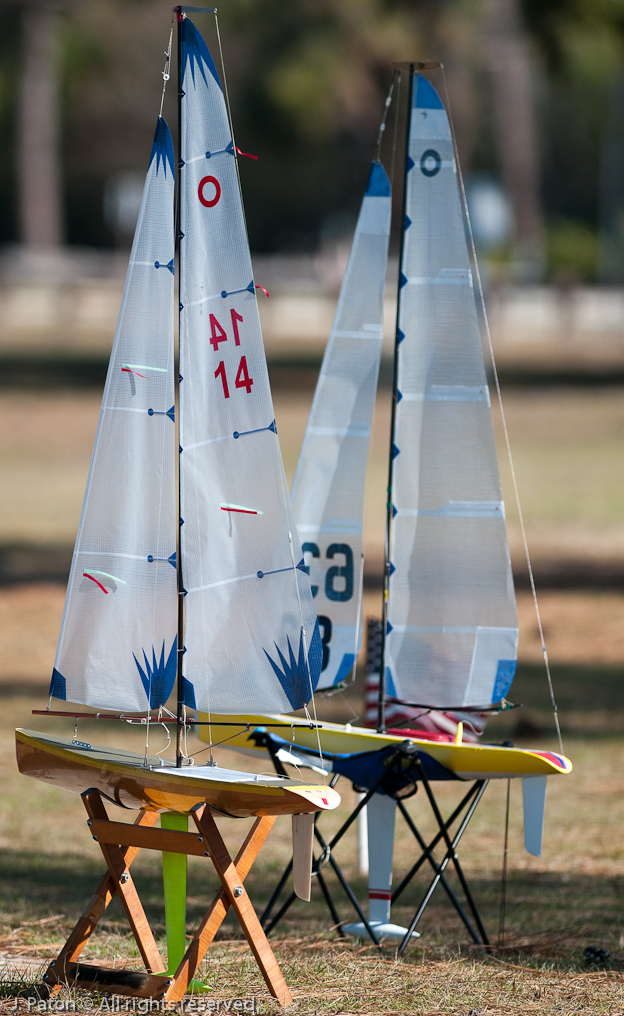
pixel 328 489
pixel 452 623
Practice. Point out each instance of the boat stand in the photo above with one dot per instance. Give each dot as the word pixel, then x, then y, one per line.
pixel 403 761
pixel 120 843
pixel 462 814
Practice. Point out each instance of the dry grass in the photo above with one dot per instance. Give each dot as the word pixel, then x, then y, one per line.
pixel 568 449
pixel 331 980
pixel 557 905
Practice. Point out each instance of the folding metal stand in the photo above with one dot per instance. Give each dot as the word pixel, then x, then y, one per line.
pixel 462 814
pixel 120 842
pixel 325 857
pixel 399 769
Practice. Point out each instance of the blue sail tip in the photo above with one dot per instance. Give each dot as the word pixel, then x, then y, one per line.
pixel 162 149
pixel 298 676
pixel 158 677
pixel 58 686
pixel 505 672
pixel 195 53
pixel 378 185
pixel 188 694
pixel 425 95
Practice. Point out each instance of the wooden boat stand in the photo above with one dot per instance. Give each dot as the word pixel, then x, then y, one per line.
pixel 461 814
pixel 120 843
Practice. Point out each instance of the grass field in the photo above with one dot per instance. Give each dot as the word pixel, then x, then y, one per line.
pixel 570 898
pixel 568 447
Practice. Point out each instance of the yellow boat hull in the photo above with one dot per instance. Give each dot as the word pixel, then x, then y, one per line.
pixel 123 778
pixel 464 761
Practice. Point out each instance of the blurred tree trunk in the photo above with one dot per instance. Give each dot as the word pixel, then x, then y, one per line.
pixel 611 187
pixel 38 129
pixel 508 58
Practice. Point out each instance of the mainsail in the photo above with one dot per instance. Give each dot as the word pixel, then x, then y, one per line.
pixel 451 635
pixel 252 639
pixel 117 646
pixel 328 489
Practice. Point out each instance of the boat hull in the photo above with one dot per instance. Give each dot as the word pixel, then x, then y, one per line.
pixel 464 761
pixel 123 778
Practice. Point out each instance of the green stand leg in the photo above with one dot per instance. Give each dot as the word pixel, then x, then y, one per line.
pixel 174 886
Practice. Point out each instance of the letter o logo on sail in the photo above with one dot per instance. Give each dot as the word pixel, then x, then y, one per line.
pixel 430 162
pixel 209 203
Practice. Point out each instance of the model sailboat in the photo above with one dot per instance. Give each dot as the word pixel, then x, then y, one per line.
pixel 449 619
pixel 450 623
pixel 449 614
pixel 210 597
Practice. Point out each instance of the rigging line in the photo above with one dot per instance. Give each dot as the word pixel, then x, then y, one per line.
pixel 231 123
pixel 396 127
pixel 186 733
pixel 159 720
pixel 240 192
pixel 303 636
pixel 216 744
pixel 504 422
pixel 166 74
pixel 285 497
pixel 498 707
pixel 382 125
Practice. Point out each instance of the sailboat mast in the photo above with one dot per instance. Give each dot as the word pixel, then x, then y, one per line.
pixel 178 236
pixel 381 717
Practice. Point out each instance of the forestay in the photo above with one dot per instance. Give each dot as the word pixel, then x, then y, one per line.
pixel 246 588
pixel 117 646
pixel 452 624
pixel 328 489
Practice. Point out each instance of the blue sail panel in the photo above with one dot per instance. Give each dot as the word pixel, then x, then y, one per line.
pixel 249 611
pixel 328 489
pixel 121 596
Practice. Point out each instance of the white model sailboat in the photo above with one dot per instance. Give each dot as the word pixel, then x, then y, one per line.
pixel 249 627
pixel 449 614
pixel 213 597
pixel 450 623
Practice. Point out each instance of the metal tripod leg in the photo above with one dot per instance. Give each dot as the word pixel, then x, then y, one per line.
pixel 434 842
pixel 450 855
pixel 327 849
pixel 427 855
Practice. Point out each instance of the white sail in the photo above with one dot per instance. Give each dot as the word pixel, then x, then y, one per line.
pixel 452 625
pixel 328 489
pixel 248 606
pixel 117 646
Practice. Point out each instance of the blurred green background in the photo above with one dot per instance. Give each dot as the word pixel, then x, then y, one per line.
pixel 307 82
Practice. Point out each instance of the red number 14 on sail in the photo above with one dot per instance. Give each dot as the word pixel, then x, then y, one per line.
pixel 242 379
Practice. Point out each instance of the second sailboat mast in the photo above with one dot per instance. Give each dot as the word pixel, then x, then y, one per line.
pixel 381 718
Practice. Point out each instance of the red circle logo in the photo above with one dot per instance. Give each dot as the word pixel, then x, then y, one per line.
pixel 217 191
